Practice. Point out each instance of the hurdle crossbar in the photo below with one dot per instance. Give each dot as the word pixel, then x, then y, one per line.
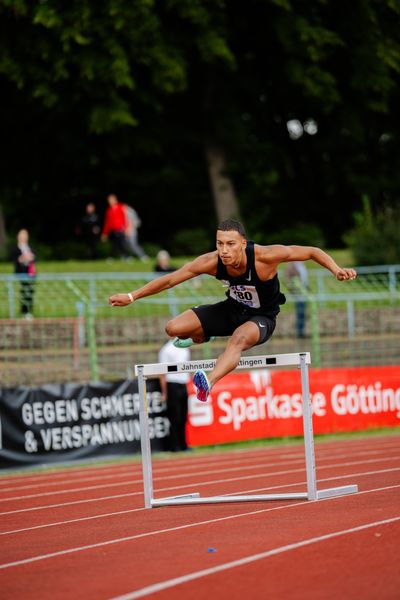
pixel 298 359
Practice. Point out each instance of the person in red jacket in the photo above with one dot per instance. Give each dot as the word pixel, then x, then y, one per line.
pixel 115 225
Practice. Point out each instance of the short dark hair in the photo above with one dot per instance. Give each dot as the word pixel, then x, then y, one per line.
pixel 232 225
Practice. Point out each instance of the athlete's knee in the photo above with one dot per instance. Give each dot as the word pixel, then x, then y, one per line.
pixel 238 340
pixel 170 328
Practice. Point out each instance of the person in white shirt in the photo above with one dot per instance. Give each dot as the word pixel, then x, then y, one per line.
pixel 175 393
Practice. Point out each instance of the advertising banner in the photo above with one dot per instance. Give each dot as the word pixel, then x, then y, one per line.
pixel 58 423
pixel 267 403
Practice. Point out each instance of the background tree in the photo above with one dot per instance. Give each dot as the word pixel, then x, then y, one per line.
pixel 289 107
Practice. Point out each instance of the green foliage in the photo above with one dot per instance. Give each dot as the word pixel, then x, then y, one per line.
pixel 105 51
pixel 374 240
pixel 125 95
pixel 304 234
pixel 191 242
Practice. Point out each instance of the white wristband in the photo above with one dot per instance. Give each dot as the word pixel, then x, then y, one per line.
pixel 130 297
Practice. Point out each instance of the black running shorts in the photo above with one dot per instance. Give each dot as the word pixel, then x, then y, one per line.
pixel 223 318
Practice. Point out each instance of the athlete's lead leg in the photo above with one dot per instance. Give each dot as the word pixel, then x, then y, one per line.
pixel 244 337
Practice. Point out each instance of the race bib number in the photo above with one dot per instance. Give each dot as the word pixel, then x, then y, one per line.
pixel 245 294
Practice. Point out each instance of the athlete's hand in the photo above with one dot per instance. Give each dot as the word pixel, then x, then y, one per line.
pixel 120 299
pixel 346 274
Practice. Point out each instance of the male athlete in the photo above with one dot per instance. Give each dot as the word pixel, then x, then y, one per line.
pixel 248 315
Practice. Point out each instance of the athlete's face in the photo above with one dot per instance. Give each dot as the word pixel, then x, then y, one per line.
pixel 230 247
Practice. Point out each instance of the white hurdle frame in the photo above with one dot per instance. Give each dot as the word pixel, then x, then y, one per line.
pixel 298 359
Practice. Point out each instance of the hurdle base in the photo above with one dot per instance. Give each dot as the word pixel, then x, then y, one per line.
pixel 339 491
pixel 217 499
pixel 181 497
pixel 195 497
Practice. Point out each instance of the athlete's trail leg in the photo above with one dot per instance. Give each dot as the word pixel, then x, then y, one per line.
pixel 186 325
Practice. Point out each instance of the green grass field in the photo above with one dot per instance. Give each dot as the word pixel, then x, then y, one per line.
pixel 343 257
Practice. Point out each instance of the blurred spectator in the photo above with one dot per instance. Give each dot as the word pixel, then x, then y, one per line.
pixel 23 257
pixel 115 225
pixel 174 392
pixel 89 229
pixel 163 264
pixel 297 281
pixel 133 223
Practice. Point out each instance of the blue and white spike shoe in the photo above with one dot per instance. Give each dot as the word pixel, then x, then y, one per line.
pixel 202 384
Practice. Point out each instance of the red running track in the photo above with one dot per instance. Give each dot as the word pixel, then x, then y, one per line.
pixel 83 532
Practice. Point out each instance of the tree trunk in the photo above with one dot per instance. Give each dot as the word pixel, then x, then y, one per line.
pixel 225 201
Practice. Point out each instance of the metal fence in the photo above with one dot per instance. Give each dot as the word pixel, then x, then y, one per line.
pixel 75 335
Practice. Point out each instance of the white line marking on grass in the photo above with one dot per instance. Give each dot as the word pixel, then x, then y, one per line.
pixel 129 538
pixel 169 583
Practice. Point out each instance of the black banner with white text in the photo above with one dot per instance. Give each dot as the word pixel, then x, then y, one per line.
pixel 58 423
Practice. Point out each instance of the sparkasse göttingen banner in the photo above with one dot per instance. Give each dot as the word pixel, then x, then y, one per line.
pixel 266 403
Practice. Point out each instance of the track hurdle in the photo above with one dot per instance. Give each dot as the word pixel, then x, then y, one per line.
pixel 301 360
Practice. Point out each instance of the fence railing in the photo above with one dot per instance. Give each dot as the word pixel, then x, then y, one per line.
pixel 75 335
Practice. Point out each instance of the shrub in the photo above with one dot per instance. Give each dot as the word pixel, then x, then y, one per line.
pixel 189 242
pixel 304 234
pixel 374 239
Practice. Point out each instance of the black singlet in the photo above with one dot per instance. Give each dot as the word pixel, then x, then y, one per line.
pixel 248 291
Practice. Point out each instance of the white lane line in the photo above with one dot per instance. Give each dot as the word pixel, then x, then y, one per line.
pixel 157 471
pixel 319 481
pixel 69 521
pixel 324 451
pixel 160 459
pixel 139 481
pixel 49 484
pixel 265 489
pixel 160 466
pixel 129 538
pixel 71 503
pixel 292 451
pixel 130 473
pixel 172 488
pixel 51 472
pixel 210 472
pixel 169 583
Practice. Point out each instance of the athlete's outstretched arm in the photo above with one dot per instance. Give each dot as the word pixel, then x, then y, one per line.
pixel 280 254
pixel 204 264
